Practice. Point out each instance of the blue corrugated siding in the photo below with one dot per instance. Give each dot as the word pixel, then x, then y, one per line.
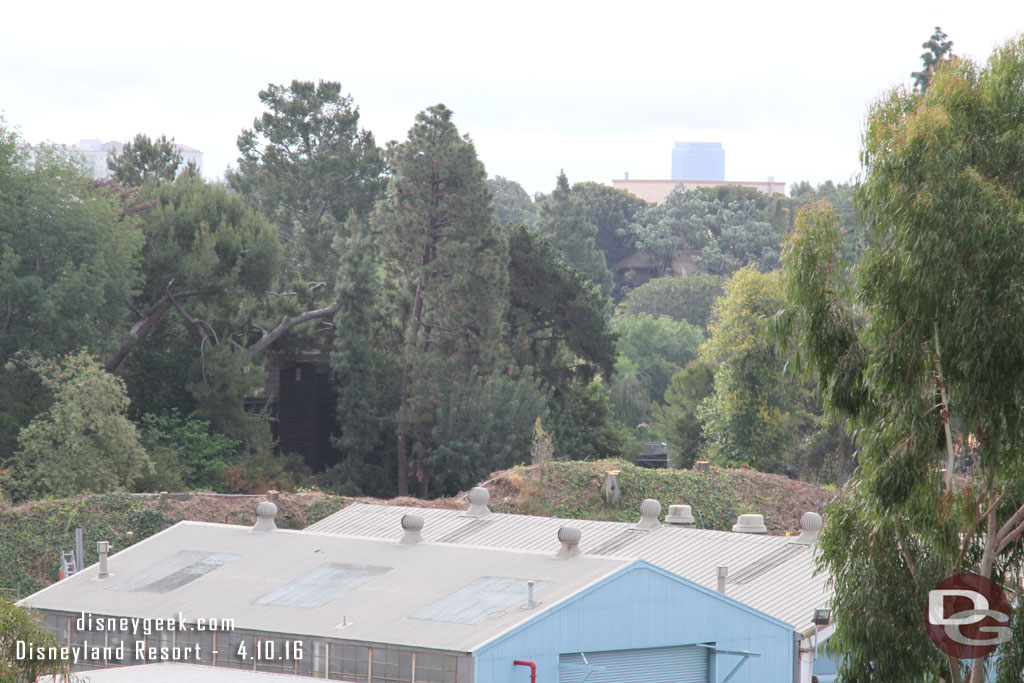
pixel 643 607
pixel 686 664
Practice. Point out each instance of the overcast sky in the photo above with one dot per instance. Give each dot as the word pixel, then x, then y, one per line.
pixel 598 89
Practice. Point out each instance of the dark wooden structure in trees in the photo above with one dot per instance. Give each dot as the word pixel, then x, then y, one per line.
pixel 641 267
pixel 303 398
pixel 655 455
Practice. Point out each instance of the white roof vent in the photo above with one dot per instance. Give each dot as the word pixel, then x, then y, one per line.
pixel 569 537
pixel 650 510
pixel 750 524
pixel 680 515
pixel 412 524
pixel 478 499
pixel 265 514
pixel 810 525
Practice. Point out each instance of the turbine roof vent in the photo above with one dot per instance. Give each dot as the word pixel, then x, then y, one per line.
pixel 650 510
pixel 810 525
pixel 680 515
pixel 750 524
pixel 569 537
pixel 412 524
pixel 265 514
pixel 478 499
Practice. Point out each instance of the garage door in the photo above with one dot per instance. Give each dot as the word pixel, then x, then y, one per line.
pixel 688 664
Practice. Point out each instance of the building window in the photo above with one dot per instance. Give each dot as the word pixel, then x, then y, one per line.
pixel 431 668
pixel 392 666
pixel 229 656
pixel 57 624
pixel 349 662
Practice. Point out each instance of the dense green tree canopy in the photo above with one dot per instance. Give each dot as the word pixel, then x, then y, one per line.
pixel 556 320
pixel 366 397
pixel 688 298
pixel 449 256
pixel 678 419
pixel 728 230
pixel 68 271
pixel 208 261
pixel 484 427
pixel 67 260
pixel 84 442
pixel 920 344
pixel 655 348
pixel 840 197
pixel 143 159
pixel 611 211
pixel 306 164
pixel 511 203
pixel 562 218
pixel 748 418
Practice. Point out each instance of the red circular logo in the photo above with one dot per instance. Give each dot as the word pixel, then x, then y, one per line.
pixel 968 616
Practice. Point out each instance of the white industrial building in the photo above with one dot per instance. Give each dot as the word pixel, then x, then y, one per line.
pixel 402 605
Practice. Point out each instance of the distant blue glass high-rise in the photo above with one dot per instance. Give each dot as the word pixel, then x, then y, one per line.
pixel 698 161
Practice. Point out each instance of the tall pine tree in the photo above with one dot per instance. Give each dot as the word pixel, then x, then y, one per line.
pixel 358 363
pixel 563 219
pixel 446 250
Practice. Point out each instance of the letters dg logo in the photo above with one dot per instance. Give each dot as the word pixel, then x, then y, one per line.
pixel 968 616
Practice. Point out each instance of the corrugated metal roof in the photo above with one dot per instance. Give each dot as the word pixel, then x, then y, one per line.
pixel 266 586
pixel 770 573
pixel 175 672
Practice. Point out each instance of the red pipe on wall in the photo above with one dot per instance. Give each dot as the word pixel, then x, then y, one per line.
pixel 533 668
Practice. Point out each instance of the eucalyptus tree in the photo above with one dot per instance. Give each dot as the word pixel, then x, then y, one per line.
pixel 919 345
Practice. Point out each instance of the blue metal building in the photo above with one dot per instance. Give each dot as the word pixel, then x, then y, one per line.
pixel 613 632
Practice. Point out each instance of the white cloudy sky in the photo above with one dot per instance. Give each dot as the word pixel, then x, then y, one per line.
pixel 595 88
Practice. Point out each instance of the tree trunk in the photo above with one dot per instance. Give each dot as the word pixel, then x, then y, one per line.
pixel 423 475
pixel 955 674
pixel 403 404
pixel 138 331
pixel 987 559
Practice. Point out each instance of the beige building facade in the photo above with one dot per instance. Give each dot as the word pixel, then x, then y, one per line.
pixel 657 191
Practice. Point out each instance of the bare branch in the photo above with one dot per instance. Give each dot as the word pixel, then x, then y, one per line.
pixel 974 526
pixel 195 322
pixel 1016 519
pixel 286 324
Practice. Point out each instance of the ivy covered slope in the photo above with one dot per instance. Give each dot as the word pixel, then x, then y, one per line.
pixel 32 535
pixel 717 496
